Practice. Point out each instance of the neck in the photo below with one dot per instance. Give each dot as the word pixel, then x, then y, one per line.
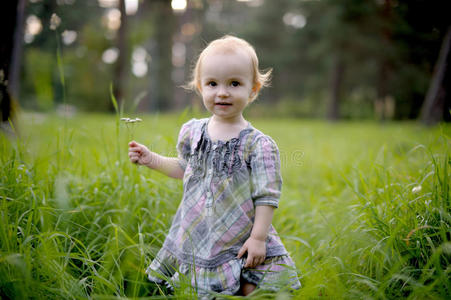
pixel 237 120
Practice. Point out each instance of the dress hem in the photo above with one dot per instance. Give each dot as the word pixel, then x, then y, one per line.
pixel 275 273
pixel 219 259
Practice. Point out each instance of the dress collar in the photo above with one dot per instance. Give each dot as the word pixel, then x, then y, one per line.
pixel 242 133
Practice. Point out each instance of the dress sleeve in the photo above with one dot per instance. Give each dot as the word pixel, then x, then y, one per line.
pixel 265 177
pixel 184 143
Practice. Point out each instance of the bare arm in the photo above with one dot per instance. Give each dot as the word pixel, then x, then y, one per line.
pixel 141 155
pixel 169 166
pixel 263 218
pixel 255 246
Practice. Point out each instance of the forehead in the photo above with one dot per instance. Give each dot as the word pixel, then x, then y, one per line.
pixel 226 63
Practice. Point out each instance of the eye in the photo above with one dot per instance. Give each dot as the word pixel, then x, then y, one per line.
pixel 235 83
pixel 212 83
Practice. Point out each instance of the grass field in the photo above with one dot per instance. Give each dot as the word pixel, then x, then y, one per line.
pixel 365 208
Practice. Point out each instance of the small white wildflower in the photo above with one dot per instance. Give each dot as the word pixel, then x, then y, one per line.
pixel 55 21
pixel 416 189
pixel 131 123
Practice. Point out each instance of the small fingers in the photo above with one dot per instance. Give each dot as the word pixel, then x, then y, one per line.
pixel 249 261
pixel 247 264
pixel 133 154
pixel 252 262
pixel 133 157
pixel 241 252
pixel 256 262
pixel 132 144
pixel 135 149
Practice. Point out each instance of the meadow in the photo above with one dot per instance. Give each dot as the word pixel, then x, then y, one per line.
pixel 365 208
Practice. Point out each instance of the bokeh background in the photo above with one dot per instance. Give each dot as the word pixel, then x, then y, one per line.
pixel 365 205
pixel 332 59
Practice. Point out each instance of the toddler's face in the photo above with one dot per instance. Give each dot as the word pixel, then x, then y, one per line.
pixel 226 83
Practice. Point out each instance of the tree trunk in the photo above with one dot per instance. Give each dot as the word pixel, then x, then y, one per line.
pixel 436 106
pixel 8 21
pixel 14 72
pixel 380 104
pixel 120 70
pixel 333 109
pixel 161 90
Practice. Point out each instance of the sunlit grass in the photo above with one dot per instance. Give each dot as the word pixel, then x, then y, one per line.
pixel 78 220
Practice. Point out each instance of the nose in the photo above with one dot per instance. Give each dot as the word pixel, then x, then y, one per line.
pixel 222 91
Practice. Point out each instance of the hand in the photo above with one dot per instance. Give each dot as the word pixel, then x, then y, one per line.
pixel 256 252
pixel 139 154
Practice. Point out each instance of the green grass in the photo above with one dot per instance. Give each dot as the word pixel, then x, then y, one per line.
pixel 79 221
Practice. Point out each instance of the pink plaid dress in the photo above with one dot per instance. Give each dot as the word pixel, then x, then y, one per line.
pixel 222 184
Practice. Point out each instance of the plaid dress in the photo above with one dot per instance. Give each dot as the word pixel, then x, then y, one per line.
pixel 222 184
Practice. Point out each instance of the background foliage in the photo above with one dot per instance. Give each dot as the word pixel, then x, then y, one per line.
pixel 375 59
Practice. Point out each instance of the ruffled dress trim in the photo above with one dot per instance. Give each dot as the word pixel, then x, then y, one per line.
pixel 226 160
pixel 275 273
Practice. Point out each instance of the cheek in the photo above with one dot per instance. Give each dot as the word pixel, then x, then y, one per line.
pixel 245 94
pixel 207 99
pixel 207 94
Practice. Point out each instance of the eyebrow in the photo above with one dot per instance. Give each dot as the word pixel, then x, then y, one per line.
pixel 207 81
pixel 233 78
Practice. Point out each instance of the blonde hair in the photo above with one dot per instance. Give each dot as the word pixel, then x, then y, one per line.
pixel 232 44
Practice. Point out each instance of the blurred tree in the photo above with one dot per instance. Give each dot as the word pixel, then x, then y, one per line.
pixel 437 104
pixel 418 29
pixel 384 61
pixel 11 21
pixel 82 40
pixel 264 28
pixel 337 74
pixel 16 59
pixel 386 46
pixel 122 65
pixel 47 90
pixel 187 45
pixel 338 31
pixel 333 58
pixel 161 86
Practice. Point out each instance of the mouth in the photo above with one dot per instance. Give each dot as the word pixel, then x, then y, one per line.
pixel 223 104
